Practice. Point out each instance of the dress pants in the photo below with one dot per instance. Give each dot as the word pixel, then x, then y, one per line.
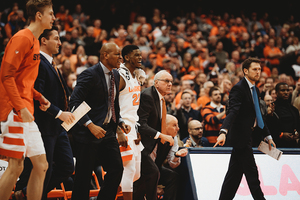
pixel 147 183
pixel 170 179
pixel 60 160
pixel 108 154
pixel 241 162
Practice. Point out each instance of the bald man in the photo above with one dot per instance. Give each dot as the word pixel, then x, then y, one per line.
pixel 195 138
pixel 168 177
pixel 95 134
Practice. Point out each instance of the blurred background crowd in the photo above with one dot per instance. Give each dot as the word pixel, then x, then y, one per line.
pixel 202 44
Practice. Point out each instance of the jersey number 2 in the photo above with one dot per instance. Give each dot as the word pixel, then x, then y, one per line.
pixel 136 99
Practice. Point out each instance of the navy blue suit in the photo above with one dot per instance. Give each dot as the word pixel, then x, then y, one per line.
pixel 56 141
pixel 239 122
pixel 90 152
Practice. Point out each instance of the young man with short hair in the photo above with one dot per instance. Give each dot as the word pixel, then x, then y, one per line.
pixel 213 115
pixel 20 135
pixel 242 118
pixel 129 100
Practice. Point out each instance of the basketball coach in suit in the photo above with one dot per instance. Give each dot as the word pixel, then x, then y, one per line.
pixel 95 133
pixel 242 118
pixel 50 83
pixel 152 119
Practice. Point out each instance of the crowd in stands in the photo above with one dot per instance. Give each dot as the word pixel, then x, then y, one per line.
pixel 203 52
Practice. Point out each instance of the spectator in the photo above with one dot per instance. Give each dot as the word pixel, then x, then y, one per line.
pixel 77 25
pixel 199 81
pixel 143 23
pixel 254 21
pixel 143 44
pixel 164 36
pixel 284 121
pixel 66 53
pixel 81 16
pixel 186 113
pixel 259 45
pixel 71 81
pixel 211 64
pixel 65 68
pixel 268 99
pixel 89 41
pixel 238 29
pixel 21 19
pixel 120 40
pixel 186 64
pixel 221 55
pixel 272 53
pixel 203 100
pixel 97 28
pixel 213 115
pixel 230 68
pixel 169 98
pixel 202 55
pixel 64 17
pixel 295 46
pixel 184 84
pixel 76 38
pixel 296 67
pixel 195 138
pixel 224 38
pixel 296 92
pixel 130 33
pixel 12 26
pixel 225 88
pixel 161 54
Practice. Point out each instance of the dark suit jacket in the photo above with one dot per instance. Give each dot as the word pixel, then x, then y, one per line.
pixel 149 113
pixel 91 87
pixel 240 116
pixel 49 85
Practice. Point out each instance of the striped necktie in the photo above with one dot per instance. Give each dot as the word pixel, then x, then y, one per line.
pixel 112 95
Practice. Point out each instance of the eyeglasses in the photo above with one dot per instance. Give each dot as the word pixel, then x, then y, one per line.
pixel 197 129
pixel 166 81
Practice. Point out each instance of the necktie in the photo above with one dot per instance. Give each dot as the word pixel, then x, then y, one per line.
pixel 259 119
pixel 62 85
pixel 112 95
pixel 163 117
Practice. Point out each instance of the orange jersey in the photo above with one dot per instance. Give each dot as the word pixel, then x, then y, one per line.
pixel 19 69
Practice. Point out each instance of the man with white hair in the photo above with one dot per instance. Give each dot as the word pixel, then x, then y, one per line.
pixel 152 119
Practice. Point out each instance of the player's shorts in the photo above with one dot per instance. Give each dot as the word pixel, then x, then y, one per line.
pixel 19 139
pixel 131 173
pixel 131 157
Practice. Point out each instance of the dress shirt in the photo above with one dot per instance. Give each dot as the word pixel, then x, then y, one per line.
pixel 107 79
pixel 160 103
